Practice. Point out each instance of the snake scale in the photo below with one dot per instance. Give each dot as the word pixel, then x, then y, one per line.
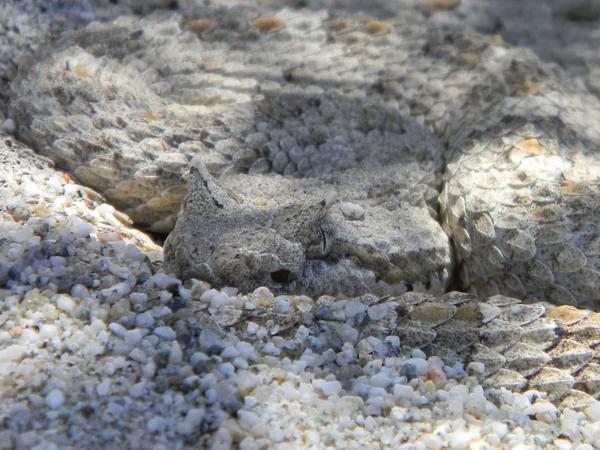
pixel 330 152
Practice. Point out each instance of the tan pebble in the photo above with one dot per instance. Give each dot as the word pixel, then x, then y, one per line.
pixel 79 71
pixel 352 38
pixel 468 59
pixel 529 88
pixel 437 5
pixel 495 39
pixel 40 211
pixel 104 238
pixel 432 314
pixel 573 188
pixel 378 27
pixel 530 147
pixel 119 309
pixel 266 24
pixel 566 314
pixel 199 26
pixel 430 385
pixel 337 24
pixel 149 116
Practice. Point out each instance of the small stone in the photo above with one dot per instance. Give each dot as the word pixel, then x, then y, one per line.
pixel 593 412
pixel 176 355
pixel 66 303
pixel 401 391
pixel 543 410
pixel 133 337
pixel 328 388
pixel 352 211
pixel 55 399
pixel 214 298
pixel 156 424
pixel 476 367
pixel 12 353
pixel 165 333
pixel 144 320
pixel 103 388
pixel 119 309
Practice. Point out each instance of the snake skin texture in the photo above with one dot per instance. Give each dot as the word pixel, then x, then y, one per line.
pixel 329 151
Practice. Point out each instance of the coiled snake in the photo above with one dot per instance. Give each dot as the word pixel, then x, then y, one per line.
pixel 330 153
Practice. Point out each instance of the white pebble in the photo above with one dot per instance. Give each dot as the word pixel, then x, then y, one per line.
pixel 65 303
pixel 403 391
pixel 352 211
pixel 176 354
pixel 138 298
pixel 103 388
pixel 117 329
pixel 476 367
pixel 328 388
pixel 55 399
pixel 165 333
pixel 418 353
pixel 12 353
pixel 133 337
pixel 230 352
pixel 144 320
pixel 214 298
pixel 162 280
pixel 354 307
pixel 593 411
pixel 156 424
pixel 251 328
pixel 542 410
pixel 137 354
pixel 160 311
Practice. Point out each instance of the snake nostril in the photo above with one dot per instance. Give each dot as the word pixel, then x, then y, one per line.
pixel 281 276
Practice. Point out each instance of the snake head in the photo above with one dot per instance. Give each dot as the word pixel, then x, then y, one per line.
pixel 263 235
pixel 293 236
